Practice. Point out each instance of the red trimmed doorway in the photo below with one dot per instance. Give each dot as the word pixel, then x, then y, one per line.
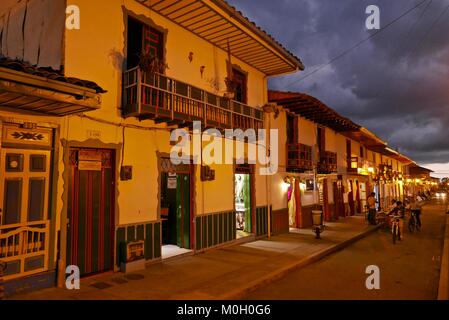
pixel 90 210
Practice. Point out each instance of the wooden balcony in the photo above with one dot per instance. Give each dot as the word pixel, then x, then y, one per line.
pixel 299 157
pixel 328 163
pixel 353 165
pixel 386 172
pixel 156 96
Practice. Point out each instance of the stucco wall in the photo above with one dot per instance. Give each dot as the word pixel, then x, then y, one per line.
pixel 97 52
pixel 306 131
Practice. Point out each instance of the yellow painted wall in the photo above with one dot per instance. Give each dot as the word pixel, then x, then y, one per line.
pixel 97 51
pixel 331 140
pixel 278 194
pixel 306 131
pixel 355 148
pixel 341 154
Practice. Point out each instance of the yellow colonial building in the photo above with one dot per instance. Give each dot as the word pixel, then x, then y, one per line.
pixel 90 115
pixel 331 163
pixel 87 112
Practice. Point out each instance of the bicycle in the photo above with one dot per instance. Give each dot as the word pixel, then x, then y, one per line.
pixel 413 223
pixel 366 211
pixel 395 230
pixel 380 218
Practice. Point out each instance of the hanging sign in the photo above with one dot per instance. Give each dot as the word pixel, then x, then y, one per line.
pixel 90 155
pixel 89 165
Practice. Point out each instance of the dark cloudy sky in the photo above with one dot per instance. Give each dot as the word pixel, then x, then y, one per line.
pixel 396 84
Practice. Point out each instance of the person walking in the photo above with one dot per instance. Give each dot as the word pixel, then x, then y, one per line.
pixel 372 208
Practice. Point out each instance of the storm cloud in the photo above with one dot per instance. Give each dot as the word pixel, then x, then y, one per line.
pixel 396 84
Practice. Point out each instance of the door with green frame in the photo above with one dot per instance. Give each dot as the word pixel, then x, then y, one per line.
pixel 183 210
pixel 175 209
pixel 243 202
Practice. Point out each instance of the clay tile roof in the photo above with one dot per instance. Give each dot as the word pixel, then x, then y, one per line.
pixel 47 73
pixel 266 34
pixel 313 109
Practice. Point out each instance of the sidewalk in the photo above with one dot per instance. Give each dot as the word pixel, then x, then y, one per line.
pixel 227 273
pixel 443 289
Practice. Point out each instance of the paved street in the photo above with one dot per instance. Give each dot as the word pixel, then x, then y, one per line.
pixel 288 267
pixel 224 273
pixel 408 270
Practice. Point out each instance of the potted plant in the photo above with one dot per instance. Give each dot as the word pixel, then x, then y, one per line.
pixel 150 63
pixel 231 85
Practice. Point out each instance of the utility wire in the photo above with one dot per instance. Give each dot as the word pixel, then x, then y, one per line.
pixel 358 44
pixel 401 44
pixel 424 37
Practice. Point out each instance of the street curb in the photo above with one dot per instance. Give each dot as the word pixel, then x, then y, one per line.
pixel 280 273
pixel 443 287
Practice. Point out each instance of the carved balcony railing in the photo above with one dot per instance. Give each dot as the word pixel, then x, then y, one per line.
pixel 156 96
pixel 328 163
pixel 299 157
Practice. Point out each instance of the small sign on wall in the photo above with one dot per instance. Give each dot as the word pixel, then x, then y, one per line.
pixel 90 155
pixel 310 185
pixel 126 173
pixel 93 134
pixel 171 182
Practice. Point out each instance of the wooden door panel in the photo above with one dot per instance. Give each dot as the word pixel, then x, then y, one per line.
pixel 24 197
pixel 91 216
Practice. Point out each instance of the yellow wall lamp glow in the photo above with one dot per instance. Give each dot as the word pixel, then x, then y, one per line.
pixel 288 181
pixel 286 184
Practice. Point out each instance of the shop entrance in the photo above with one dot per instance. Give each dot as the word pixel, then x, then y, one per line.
pixel 338 198
pixel 176 213
pixel 243 201
pixel 376 191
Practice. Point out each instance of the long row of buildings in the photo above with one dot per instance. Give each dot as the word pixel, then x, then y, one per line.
pixel 86 114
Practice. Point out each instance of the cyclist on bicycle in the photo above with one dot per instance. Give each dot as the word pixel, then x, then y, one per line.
pixel 398 209
pixel 415 208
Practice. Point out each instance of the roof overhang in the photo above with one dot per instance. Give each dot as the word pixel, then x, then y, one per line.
pixel 399 156
pixel 376 144
pixel 221 24
pixel 25 92
pixel 414 169
pixel 314 110
pixel 368 139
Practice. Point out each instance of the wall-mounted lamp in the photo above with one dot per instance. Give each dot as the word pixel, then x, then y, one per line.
pixel 286 183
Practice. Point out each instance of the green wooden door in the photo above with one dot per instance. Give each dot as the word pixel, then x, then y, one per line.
pixel 183 210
